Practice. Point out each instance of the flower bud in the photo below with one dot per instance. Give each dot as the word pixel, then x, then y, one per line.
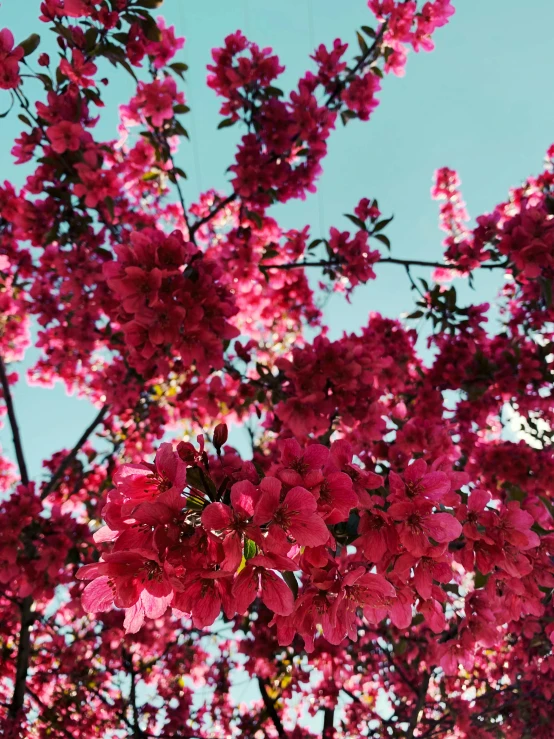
pixel 220 435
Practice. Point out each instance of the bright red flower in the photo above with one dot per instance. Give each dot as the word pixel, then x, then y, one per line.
pixel 418 524
pixel 416 482
pixel 65 136
pixel 258 575
pixel 294 517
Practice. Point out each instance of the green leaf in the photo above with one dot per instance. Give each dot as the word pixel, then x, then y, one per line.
pixel 150 28
pixel 181 109
pixel 362 43
pixel 180 172
pixel 369 31
pixel 250 549
pixel 90 37
pixel 46 81
pixel 180 130
pixel 150 4
pixel 179 68
pixel 346 116
pixel 226 122
pixel 356 221
pixel 292 582
pixel 384 240
pixel 24 119
pixel 255 217
pixel 274 91
pixel 108 202
pixel 196 479
pixel 30 44
pixel 125 64
pixel 381 224
pixel 153 175
pixel 480 579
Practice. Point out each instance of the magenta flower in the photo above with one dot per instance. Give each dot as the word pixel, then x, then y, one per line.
pixel 416 482
pixel 294 517
pixel 257 576
pixel 418 524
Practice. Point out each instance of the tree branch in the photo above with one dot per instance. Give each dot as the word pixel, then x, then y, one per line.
pixel 414 719
pixel 270 708
pixel 13 424
pixel 366 57
pixel 407 263
pixel 222 204
pixel 23 654
pixel 328 723
pixel 70 456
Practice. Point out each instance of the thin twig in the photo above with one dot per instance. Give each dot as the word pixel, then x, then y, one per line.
pixel 385 260
pixel 271 710
pixel 70 456
pixel 23 654
pixel 222 204
pixel 13 424
pixel 418 708
pixel 366 57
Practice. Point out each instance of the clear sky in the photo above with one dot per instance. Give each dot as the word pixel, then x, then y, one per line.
pixel 480 103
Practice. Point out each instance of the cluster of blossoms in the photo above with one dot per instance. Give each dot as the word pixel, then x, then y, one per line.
pixel 169 301
pixel 200 535
pixel 154 101
pixel 10 56
pixel 14 323
pixel 34 549
pixel 406 24
pixel 384 541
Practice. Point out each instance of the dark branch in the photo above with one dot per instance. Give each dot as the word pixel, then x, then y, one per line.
pixel 270 708
pixel 23 654
pixel 366 58
pixel 70 456
pixel 420 703
pixel 385 260
pixel 328 723
pixel 13 424
pixel 222 204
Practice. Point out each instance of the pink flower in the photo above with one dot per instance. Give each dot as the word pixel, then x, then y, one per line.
pixel 418 524
pixel 9 60
pixel 434 565
pixel 377 534
pixel 76 8
pixel 79 70
pixel 146 481
pixel 358 589
pixel 137 287
pixel 122 578
pixel 258 575
pixel 204 595
pixel 418 483
pixel 232 522
pixel 302 467
pixel 336 497
pixel 65 136
pixel 294 517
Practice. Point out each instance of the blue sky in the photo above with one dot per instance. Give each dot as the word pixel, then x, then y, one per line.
pixel 478 103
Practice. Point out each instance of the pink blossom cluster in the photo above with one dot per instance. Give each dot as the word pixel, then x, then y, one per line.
pixel 167 295
pixel 200 535
pixel 10 56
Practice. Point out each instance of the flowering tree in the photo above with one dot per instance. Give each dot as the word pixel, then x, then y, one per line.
pixel 382 565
